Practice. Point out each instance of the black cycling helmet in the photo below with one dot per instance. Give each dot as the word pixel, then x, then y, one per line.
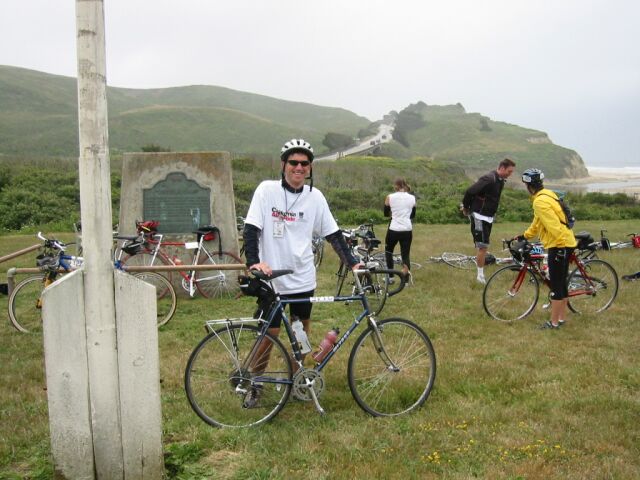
pixel 533 177
pixel 297 145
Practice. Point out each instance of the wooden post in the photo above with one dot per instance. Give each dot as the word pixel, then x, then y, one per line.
pixel 103 388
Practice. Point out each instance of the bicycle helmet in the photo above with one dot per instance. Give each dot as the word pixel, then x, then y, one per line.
pixel 533 177
pixel 296 145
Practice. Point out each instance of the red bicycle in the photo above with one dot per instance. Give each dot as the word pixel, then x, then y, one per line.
pixel 153 250
pixel 512 292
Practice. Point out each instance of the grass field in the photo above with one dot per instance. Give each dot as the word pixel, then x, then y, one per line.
pixel 510 401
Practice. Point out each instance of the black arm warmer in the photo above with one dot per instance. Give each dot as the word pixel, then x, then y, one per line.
pixel 251 235
pixel 413 213
pixel 387 211
pixel 339 244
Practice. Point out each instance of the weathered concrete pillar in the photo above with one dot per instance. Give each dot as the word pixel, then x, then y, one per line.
pixel 103 386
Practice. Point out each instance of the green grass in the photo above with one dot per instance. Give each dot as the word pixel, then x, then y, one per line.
pixel 510 401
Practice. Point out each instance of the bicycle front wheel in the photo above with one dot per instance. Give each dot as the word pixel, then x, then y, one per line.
pixel 25 309
pixel 595 290
pixel 458 260
pixel 165 295
pixel 392 368
pixel 342 274
pixel 510 294
pixel 228 385
pixel 217 283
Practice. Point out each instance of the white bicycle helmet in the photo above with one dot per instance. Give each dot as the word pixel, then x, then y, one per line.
pixel 296 145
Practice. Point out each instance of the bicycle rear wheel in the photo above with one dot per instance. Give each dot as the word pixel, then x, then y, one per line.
pixel 217 283
pixel 458 260
pixel 25 311
pixel 165 295
pixel 220 377
pixel 505 298
pixel 375 287
pixel 594 292
pixel 394 373
pixel 146 259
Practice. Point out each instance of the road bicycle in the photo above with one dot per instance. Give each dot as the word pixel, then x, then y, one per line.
pixel 25 302
pixel 391 369
pixel 381 258
pixel 605 244
pixel 512 292
pixel 209 283
pixel 362 241
pixel 468 262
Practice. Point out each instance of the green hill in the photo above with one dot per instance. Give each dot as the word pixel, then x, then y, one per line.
pixel 38 116
pixel 477 142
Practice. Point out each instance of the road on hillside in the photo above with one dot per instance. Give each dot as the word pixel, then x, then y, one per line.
pixel 383 136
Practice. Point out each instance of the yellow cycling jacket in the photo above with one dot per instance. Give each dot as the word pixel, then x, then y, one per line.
pixel 546 224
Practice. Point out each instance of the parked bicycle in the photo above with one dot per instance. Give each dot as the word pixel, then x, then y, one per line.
pixel 391 369
pixel 467 262
pixel 512 292
pixel 209 283
pixel 606 244
pixel 362 241
pixel 381 258
pixel 25 302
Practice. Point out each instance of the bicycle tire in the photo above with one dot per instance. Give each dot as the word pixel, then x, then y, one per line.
pixel 24 314
pixel 397 260
pixel 165 295
pixel 145 259
pixel 342 274
pixel 379 389
pixel 216 375
pixel 501 303
pixel 318 253
pixel 602 278
pixel 217 283
pixel 375 287
pixel 458 260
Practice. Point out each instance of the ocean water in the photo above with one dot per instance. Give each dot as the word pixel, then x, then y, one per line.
pixel 622 179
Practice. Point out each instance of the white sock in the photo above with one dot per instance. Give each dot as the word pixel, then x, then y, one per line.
pixel 480 271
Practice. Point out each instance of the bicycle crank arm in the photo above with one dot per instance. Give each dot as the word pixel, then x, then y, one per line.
pixel 314 396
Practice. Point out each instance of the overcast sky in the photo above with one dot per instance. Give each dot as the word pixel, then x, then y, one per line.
pixel 570 68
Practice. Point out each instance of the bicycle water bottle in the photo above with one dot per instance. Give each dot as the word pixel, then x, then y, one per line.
pixel 301 336
pixel 326 345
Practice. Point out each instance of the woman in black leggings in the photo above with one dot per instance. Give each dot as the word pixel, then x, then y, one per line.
pixel 401 207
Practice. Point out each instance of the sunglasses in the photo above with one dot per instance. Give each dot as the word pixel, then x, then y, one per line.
pixel 295 163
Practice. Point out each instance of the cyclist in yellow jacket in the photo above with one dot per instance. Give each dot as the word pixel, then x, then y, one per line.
pixel 549 225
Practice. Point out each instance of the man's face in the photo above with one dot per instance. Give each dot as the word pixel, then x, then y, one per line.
pixel 295 174
pixel 505 172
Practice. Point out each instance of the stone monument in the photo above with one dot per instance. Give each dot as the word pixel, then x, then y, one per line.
pixel 183 191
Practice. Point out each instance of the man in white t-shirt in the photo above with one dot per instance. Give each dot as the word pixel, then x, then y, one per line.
pixel 282 219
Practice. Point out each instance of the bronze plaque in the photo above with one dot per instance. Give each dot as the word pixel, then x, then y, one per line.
pixel 179 204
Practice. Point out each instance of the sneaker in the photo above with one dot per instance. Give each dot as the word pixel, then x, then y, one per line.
pixel 481 280
pixel 630 278
pixel 549 325
pixel 560 323
pixel 252 399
